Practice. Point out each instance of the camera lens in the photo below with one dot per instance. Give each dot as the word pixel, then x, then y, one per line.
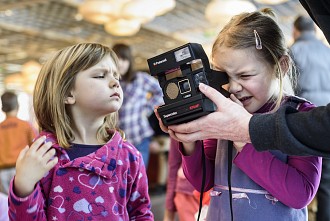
pixel 184 86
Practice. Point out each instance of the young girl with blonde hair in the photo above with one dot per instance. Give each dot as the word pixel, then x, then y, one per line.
pixel 80 168
pixel 266 185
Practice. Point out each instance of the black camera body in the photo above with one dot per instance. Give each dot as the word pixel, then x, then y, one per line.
pixel 179 72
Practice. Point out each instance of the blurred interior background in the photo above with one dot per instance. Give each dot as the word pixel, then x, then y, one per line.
pixel 30 30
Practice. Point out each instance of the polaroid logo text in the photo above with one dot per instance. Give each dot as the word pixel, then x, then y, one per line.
pixel 160 62
pixel 170 114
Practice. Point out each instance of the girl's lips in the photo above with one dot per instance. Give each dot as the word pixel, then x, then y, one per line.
pixel 115 95
pixel 243 100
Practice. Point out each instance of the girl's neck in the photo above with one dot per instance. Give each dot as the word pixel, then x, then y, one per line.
pixel 270 105
pixel 85 131
pixel 85 139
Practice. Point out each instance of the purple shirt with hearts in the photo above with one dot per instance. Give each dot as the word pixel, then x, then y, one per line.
pixel 109 184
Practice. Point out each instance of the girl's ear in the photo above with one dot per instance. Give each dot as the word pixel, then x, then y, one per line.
pixel 284 64
pixel 70 99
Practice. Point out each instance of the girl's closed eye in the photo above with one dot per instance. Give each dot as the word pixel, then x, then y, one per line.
pixel 100 76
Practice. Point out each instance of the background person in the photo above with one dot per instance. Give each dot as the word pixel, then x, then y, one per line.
pixel 15 134
pixel 142 93
pixel 180 197
pixel 312 58
pixel 159 148
pixel 3 207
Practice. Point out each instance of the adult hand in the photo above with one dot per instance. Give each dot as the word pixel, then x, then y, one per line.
pixel 189 147
pixel 238 145
pixel 32 164
pixel 230 121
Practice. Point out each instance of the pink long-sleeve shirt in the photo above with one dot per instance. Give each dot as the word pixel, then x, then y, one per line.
pixel 109 184
pixel 292 180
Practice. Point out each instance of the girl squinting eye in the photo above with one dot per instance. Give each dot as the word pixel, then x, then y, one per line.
pixel 244 76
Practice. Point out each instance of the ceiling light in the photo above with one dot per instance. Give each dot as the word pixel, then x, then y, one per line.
pixel 31 68
pixel 25 79
pixel 111 13
pixel 271 2
pixel 99 11
pixel 123 27
pixel 136 10
pixel 221 11
pixel 155 7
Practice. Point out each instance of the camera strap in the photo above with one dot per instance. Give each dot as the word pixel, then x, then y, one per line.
pixel 203 183
pixel 230 163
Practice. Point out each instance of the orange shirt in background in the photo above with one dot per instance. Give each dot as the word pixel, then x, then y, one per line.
pixel 15 134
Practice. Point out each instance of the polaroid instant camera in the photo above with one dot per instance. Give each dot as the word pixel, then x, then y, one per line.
pixel 179 73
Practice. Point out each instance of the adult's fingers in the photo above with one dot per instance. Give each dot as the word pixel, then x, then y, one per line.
pixel 218 99
pixel 186 138
pixel 189 127
pixel 173 135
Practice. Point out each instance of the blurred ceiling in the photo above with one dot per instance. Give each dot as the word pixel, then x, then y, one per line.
pixel 32 29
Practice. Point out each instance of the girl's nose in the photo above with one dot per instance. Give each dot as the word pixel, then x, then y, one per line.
pixel 234 86
pixel 114 82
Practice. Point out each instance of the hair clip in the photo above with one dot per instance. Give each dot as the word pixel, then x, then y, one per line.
pixel 258 40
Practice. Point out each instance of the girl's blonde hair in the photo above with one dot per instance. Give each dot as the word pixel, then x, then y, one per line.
pixel 55 81
pixel 242 31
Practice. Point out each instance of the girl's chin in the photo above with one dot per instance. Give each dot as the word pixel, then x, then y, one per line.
pixel 252 108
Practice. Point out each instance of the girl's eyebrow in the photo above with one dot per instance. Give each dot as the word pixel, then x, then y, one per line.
pixel 104 69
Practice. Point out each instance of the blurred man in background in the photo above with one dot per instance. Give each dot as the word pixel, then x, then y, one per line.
pixel 312 58
pixel 15 134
